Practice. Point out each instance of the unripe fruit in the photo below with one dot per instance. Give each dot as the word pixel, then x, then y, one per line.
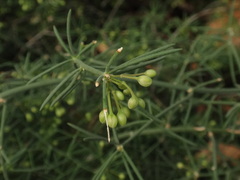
pixel 120 95
pixel 88 116
pixel 121 176
pixel 132 102
pixel 121 86
pixel 34 109
pixel 141 102
pixel 126 91
pixel 126 111
pixel 70 101
pixel 60 111
pixel 101 144
pixel 112 120
pixel 102 117
pixel 150 73
pixel 28 116
pixel 144 81
pixel 122 119
pixel 180 165
pixel 139 93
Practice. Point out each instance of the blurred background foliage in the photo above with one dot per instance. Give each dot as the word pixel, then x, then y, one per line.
pixel 41 145
pixel 26 25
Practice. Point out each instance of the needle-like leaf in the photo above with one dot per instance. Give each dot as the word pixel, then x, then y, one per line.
pixel 145 57
pixel 68 32
pixel 47 71
pixel 57 88
pixel 60 40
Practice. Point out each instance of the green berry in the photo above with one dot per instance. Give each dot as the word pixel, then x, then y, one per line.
pixel 70 101
pixel 180 165
pixel 121 176
pixel 101 144
pixel 122 119
pixel 126 91
pixel 141 102
pixel 112 120
pixel 120 95
pixel 28 116
pixel 150 73
pixel 121 86
pixel 139 93
pixel 88 116
pixel 103 177
pixel 132 102
pixel 102 117
pixel 144 81
pixel 34 109
pixel 126 111
pixel 60 111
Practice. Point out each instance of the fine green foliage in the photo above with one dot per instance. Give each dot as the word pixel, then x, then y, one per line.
pixel 148 99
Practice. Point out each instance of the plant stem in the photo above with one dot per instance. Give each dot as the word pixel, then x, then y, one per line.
pixel 105 107
pixel 109 102
pixel 182 129
pixel 197 90
pixel 19 89
pixel 2 161
pixel 116 100
pixel 87 67
pixel 111 61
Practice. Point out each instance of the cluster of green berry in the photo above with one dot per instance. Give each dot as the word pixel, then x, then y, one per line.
pixel 115 89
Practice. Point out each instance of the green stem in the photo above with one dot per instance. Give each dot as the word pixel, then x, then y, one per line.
pixel 104 95
pixel 87 67
pixel 109 102
pixel 208 83
pixel 111 61
pixel 130 90
pixel 214 155
pixel 106 163
pixel 177 129
pixel 83 48
pixel 116 100
pixel 197 90
pixel 23 88
pixel 105 106
pixel 131 163
pixel 68 31
pixel 118 82
pixel 127 76
pixel 137 132
pixel 115 136
pixel 230 103
pixel 2 161
pixel 127 167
